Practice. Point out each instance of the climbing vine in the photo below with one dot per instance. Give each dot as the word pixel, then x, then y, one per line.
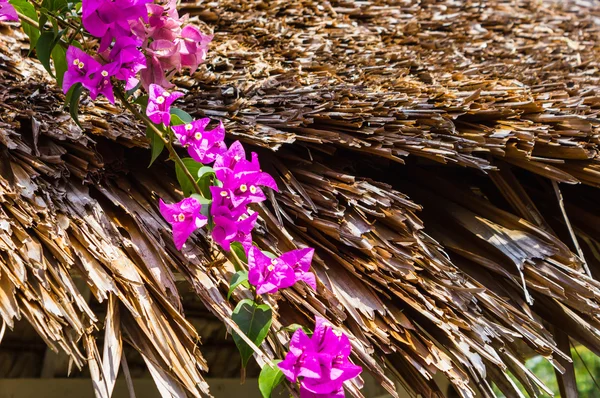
pixel 138 46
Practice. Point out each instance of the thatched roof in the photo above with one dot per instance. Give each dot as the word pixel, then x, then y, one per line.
pixel 441 157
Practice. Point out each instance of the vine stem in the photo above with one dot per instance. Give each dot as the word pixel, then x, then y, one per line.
pixel 54 15
pixel 28 20
pixel 167 142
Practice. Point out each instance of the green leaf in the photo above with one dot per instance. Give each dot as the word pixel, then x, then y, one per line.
pixel 59 56
pixel 239 278
pixel 142 100
pixel 54 25
pixel 42 21
pixel 184 182
pixel 180 117
pixel 203 201
pixel 73 97
pixel 176 121
pixel 43 49
pixel 192 166
pixel 27 9
pixel 206 174
pixel 238 250
pixel 254 320
pixel 206 203
pixel 269 254
pixel 205 170
pixel 58 5
pixel 269 378
pixel 131 91
pixel 294 326
pixel 156 143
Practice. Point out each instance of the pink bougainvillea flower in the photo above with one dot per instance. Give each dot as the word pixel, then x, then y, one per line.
pixel 268 274
pixel 202 145
pixel 102 17
pixel 320 362
pixel 7 12
pixel 231 157
pixel 168 42
pixel 299 260
pixel 304 393
pixel 336 394
pixel 83 68
pixel 222 204
pixel 241 177
pixel 116 32
pixel 193 47
pixel 227 229
pixel 231 223
pixel 184 218
pixel 129 59
pixel 271 274
pixel 163 22
pixel 154 74
pixel 79 66
pixel 159 104
pixel 166 52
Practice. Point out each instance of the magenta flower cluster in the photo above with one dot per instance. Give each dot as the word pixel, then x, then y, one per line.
pixel 203 145
pixel 185 218
pixel 140 42
pixel 169 43
pixel 241 180
pixel 271 274
pixel 7 12
pixel 239 183
pixel 320 363
pixel 84 69
pixel 159 104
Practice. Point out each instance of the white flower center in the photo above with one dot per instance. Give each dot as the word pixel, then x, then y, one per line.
pixel 181 217
pixel 237 158
pixel 104 73
pixel 198 136
pixel 252 189
pixel 81 65
pixel 76 62
pixel 243 188
pixel 166 94
pixel 188 127
pixel 271 267
pixel 223 193
pixel 160 100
